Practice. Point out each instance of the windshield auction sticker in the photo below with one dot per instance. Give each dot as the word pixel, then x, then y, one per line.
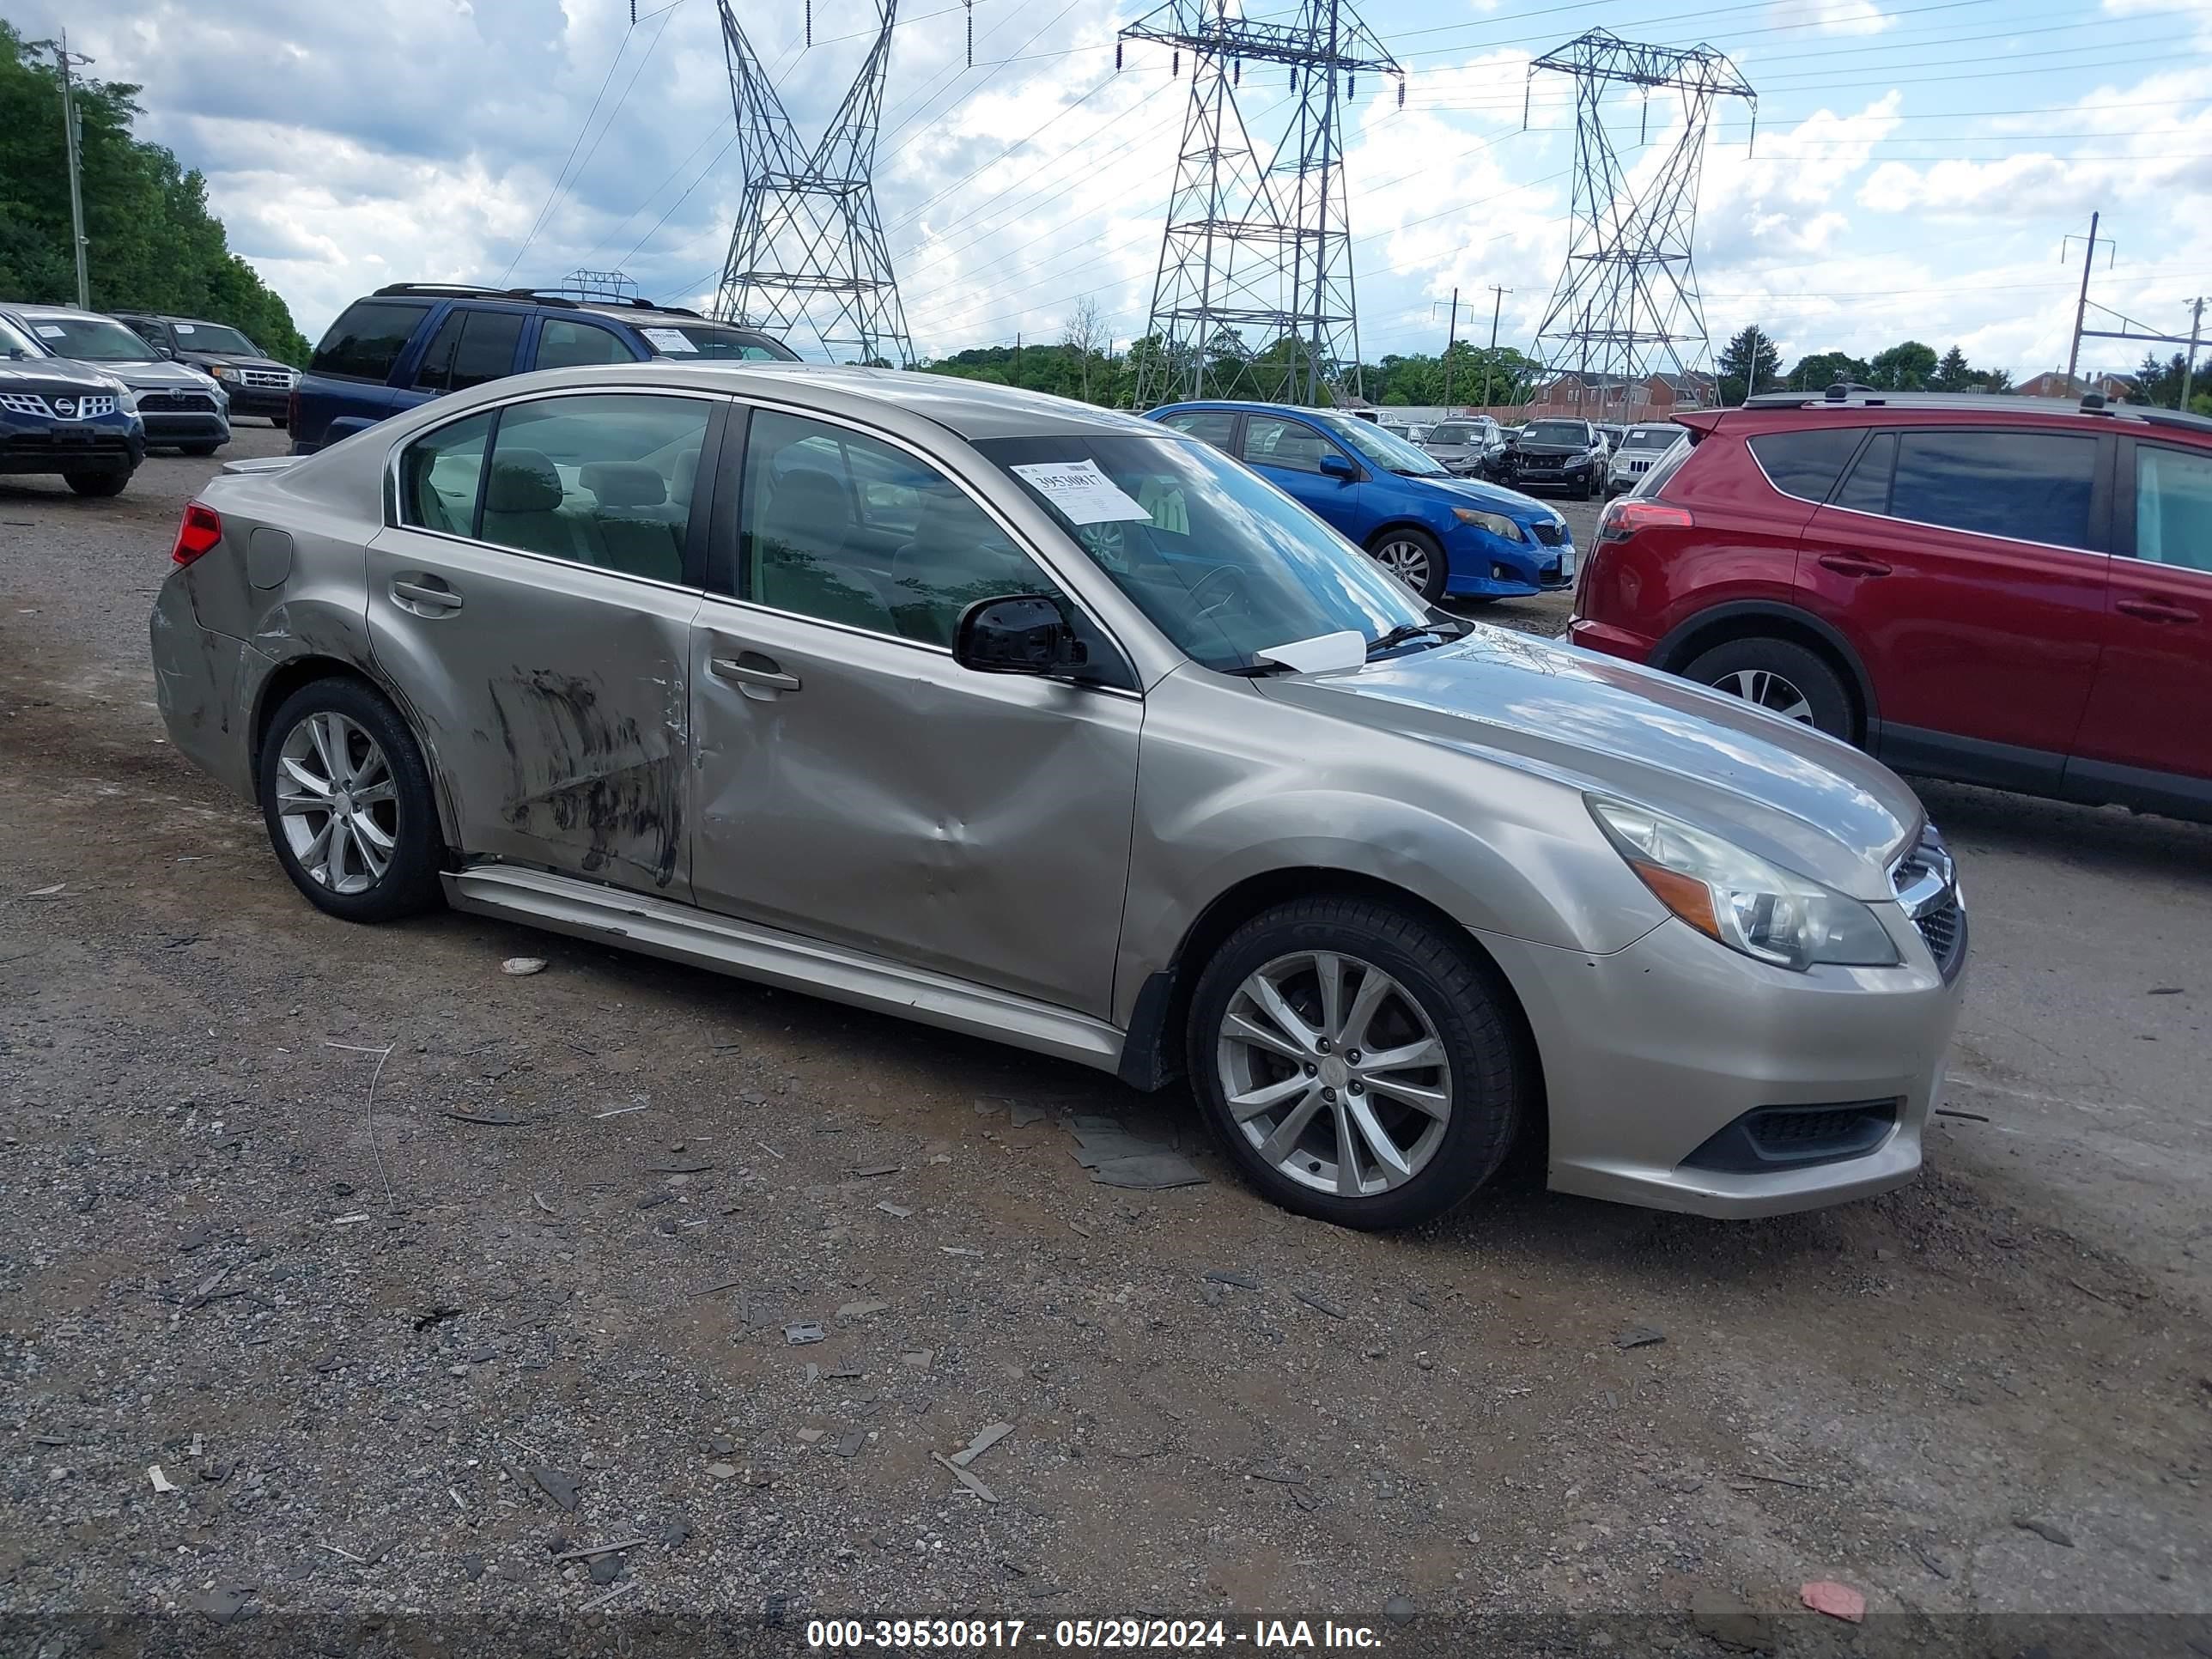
pixel 670 340
pixel 1083 494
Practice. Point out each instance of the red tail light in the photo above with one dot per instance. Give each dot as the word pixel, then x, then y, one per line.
pixel 200 529
pixel 1627 515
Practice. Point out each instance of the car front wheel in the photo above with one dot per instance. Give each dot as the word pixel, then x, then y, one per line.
pixel 1357 1060
pixel 1415 558
pixel 1781 677
pixel 349 803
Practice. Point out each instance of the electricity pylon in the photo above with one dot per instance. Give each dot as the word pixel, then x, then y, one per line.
pixel 808 249
pixel 1255 295
pixel 1626 304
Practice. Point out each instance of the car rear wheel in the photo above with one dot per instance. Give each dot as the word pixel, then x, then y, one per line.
pixel 1781 677
pixel 1356 1061
pixel 1415 558
pixel 348 804
pixel 107 481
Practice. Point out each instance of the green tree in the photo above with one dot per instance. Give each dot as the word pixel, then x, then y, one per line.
pixel 1909 366
pixel 1749 363
pixel 1995 380
pixel 153 245
pixel 1953 374
pixel 1822 370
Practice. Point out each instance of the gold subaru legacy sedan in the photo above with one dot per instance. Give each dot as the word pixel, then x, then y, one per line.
pixel 1053 725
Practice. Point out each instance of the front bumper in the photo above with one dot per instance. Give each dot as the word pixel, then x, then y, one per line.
pixel 1650 1052
pixel 1484 566
pixel 185 426
pixel 1523 474
pixel 108 444
pixel 271 402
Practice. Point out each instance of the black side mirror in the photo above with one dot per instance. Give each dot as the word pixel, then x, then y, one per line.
pixel 1337 466
pixel 1023 634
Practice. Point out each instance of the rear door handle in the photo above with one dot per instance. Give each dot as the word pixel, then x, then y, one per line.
pixel 2154 610
pixel 757 674
pixel 1845 565
pixel 425 595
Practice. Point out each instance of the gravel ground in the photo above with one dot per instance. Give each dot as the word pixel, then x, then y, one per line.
pixel 412 1278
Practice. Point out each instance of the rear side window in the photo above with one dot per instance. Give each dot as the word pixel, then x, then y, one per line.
pixel 2024 486
pixel 1807 465
pixel 2174 507
pixel 1867 490
pixel 367 340
pixel 604 481
pixel 438 475
pixel 1212 426
pixel 472 347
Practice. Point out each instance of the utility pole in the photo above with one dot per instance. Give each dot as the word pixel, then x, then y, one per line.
pixel 2081 307
pixel 1496 305
pixel 65 60
pixel 1451 339
pixel 1750 369
pixel 2196 327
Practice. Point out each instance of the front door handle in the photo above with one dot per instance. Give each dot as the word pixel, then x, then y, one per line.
pixel 2154 610
pixel 426 596
pixel 1844 564
pixel 754 672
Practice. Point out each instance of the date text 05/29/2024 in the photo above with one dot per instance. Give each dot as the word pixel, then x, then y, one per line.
pixel 1123 1635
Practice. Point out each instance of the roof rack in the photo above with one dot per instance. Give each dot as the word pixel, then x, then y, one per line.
pixel 1851 394
pixel 472 291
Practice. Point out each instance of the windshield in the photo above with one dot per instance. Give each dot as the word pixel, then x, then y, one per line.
pixel 213 337
pixel 1378 448
pixel 12 340
pixel 90 340
pixel 1455 432
pixel 1652 437
pixel 1224 564
pixel 708 340
pixel 1555 432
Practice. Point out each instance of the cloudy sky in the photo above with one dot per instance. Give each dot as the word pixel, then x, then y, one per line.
pixel 1917 162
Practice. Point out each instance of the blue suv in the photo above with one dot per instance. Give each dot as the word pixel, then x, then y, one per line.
pixel 411 342
pixel 1438 534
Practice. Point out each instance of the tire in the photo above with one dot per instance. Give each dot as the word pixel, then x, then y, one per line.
pixel 406 819
pixel 105 483
pixel 1406 552
pixel 1428 973
pixel 198 449
pixel 1780 676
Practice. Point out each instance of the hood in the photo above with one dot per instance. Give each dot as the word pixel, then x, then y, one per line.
pixel 56 374
pixel 235 359
pixel 158 374
pixel 1604 727
pixel 1495 498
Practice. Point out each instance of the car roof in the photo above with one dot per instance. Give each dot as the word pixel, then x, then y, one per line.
pixel 70 312
pixel 1779 411
pixel 1248 403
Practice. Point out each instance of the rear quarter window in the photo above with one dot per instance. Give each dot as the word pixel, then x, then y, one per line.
pixel 367 340
pixel 1807 465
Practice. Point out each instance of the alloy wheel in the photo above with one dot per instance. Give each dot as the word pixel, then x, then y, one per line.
pixel 337 802
pixel 1769 691
pixel 1334 1073
pixel 1407 561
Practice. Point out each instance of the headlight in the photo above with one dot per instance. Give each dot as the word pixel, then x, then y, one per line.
pixel 1739 899
pixel 126 400
pixel 1495 523
pixel 221 371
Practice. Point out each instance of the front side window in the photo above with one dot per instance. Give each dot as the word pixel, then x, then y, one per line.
pixel 91 339
pixel 1385 451
pixel 846 528
pixel 367 340
pixel 1807 464
pixel 1292 445
pixel 565 345
pixel 1213 426
pixel 1222 565
pixel 15 342
pixel 2022 485
pixel 2174 508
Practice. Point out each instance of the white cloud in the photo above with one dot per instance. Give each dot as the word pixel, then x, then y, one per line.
pixel 1835 16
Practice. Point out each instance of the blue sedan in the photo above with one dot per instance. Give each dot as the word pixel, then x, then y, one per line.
pixel 1439 535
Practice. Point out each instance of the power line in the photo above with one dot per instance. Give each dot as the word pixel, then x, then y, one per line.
pixel 573 146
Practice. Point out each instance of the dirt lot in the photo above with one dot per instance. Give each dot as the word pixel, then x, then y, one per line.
pixel 412 1276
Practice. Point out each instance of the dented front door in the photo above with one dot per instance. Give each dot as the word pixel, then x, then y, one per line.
pixel 868 790
pixel 554 699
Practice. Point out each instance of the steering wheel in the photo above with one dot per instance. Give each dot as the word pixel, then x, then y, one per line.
pixel 1231 582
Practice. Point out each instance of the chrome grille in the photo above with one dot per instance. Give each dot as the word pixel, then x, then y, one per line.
pixel 177 402
pixel 1551 534
pixel 1925 881
pixel 90 408
pixel 24 402
pixel 267 380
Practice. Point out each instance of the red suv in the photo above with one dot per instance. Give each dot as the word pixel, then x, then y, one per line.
pixel 2000 590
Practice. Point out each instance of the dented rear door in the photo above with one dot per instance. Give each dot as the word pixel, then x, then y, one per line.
pixel 553 696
